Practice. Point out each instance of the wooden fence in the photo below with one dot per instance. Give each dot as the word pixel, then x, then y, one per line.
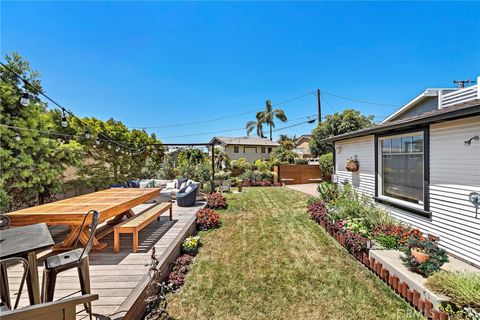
pixel 298 173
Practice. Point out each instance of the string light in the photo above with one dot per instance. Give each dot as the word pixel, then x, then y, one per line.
pixel 64 119
pixel 25 100
pixel 117 149
pixel 17 137
pixel 97 141
pixel 87 134
pixel 109 146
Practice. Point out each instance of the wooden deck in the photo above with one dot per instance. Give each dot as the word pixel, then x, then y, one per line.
pixel 118 278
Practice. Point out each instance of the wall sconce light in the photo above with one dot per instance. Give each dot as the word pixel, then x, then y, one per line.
pixel 474 198
pixel 469 141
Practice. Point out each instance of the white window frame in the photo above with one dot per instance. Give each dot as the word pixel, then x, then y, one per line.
pixel 381 196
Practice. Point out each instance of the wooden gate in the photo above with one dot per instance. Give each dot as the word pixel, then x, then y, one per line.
pixel 299 173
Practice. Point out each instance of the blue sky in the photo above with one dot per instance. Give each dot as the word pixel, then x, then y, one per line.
pixel 154 64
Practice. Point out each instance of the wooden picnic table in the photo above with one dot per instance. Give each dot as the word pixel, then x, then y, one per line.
pixel 112 204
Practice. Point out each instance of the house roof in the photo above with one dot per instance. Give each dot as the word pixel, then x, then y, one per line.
pixel 467 109
pixel 244 141
pixel 430 92
pixel 305 136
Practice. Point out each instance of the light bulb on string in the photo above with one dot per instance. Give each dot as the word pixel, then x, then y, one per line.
pixel 97 141
pixel 64 119
pixel 87 134
pixel 17 137
pixel 25 100
pixel 117 149
pixel 109 146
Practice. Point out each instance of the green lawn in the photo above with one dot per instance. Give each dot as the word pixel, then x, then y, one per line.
pixel 270 261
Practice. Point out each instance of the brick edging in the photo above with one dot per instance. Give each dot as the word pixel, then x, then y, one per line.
pixel 413 297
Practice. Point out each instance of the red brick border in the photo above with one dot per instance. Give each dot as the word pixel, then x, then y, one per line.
pixel 425 306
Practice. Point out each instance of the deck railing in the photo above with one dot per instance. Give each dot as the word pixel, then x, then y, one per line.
pixel 461 96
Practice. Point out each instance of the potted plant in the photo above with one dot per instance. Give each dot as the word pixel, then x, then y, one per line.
pixel 424 256
pixel 352 164
pixel 190 245
pixel 420 255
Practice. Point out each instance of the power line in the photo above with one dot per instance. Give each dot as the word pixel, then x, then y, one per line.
pixel 220 118
pixel 360 101
pixel 231 130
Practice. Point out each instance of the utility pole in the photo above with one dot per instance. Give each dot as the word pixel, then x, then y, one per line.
pixel 319 105
pixel 461 83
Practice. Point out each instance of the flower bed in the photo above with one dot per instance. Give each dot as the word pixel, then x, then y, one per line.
pixel 358 226
pixel 207 219
pixel 216 200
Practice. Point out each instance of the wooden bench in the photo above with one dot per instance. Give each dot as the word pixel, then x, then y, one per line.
pixel 136 223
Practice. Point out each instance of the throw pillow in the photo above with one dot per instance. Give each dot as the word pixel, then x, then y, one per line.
pixel 189 189
pixel 171 185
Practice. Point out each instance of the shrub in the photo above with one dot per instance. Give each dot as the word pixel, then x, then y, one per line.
pixel 207 219
pixel 257 178
pixel 355 242
pixel 388 242
pixel 179 269
pixel 356 225
pixel 317 210
pixel 376 216
pixel 463 289
pixel 437 255
pixel 301 161
pixel 176 279
pixel 191 245
pixel 328 191
pixel 216 201
pixel 399 233
pixel 222 175
pixel 182 262
pixel 326 164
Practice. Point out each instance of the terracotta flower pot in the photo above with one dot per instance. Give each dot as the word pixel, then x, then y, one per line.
pixel 420 256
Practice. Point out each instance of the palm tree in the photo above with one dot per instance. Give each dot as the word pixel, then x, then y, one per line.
pixel 266 117
pixel 288 142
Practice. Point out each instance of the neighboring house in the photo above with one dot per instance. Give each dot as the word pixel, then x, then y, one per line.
pixel 250 148
pixel 302 147
pixel 423 165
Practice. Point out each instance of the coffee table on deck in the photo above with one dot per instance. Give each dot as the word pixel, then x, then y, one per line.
pixel 112 204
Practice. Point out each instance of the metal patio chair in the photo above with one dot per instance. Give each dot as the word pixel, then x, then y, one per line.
pixel 76 258
pixel 4 222
pixel 6 303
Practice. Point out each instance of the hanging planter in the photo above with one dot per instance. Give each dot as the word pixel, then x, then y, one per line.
pixel 352 164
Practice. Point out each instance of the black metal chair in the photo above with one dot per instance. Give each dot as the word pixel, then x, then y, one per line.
pixel 76 258
pixel 6 303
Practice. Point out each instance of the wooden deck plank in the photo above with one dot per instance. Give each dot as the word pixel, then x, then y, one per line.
pixel 117 277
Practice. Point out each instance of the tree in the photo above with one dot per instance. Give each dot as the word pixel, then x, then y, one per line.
pixel 284 155
pixel 36 151
pixel 338 123
pixel 288 142
pixel 31 163
pixel 266 117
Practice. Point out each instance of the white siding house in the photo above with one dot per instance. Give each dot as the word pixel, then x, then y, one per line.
pixel 250 148
pixel 425 182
